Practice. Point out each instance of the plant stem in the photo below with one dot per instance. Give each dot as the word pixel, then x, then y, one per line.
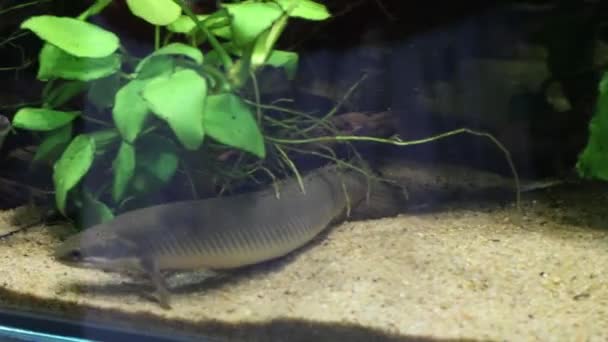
pixel 14 36
pixel 156 37
pixel 256 92
pixel 16 7
pixel 214 43
pixel 97 7
pixel 292 166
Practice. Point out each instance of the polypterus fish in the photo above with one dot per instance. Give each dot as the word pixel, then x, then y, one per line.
pixel 225 232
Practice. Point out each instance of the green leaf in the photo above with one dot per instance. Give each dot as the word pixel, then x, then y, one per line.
pixel 61 94
pixel 217 25
pixel 213 59
pixel 180 101
pixel 178 49
pixel 93 211
pixel 156 12
pixel 158 66
pixel 104 139
pixel 76 37
pixel 56 63
pixel 156 163
pixel 593 161
pixel 264 44
pixel 603 85
pixel 305 9
pixel 130 110
pixel 250 19
pixel 286 60
pixel 53 144
pixel 102 91
pixel 181 49
pixel 73 164
pixel 124 167
pixel 42 119
pixel 184 24
pixel 230 121
pixel 256 54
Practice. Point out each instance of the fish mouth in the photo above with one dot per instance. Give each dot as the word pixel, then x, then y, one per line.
pixel 61 257
pixel 125 265
pixel 78 264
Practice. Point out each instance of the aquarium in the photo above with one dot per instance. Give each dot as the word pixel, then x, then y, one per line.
pixel 299 170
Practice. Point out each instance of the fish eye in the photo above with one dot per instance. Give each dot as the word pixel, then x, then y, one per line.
pixel 75 254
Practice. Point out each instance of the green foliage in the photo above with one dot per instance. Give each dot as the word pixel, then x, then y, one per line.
pixel 156 12
pixel 54 143
pixel 56 63
pixel 217 25
pixel 245 30
pixel 104 139
pixel 230 121
pixel 264 44
pixel 284 59
pixel 61 94
pixel 130 110
pixel 180 101
pixel 93 210
pixel 42 119
pixel 124 168
pixel 593 161
pixel 101 92
pixel 151 111
pixel 156 163
pixel 174 49
pixel 305 9
pixel 76 37
pixel 72 166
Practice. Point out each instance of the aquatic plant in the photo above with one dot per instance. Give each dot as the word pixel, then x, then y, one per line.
pixel 593 161
pixel 152 112
pixel 192 92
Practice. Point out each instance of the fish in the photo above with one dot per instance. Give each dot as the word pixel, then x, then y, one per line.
pixel 229 232
pixel 226 232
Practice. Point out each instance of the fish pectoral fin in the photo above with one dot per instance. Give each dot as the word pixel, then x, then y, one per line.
pixel 161 292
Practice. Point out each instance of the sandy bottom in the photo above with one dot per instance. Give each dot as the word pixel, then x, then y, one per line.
pixel 458 272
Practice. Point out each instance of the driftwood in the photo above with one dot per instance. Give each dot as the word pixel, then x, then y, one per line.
pixel 378 124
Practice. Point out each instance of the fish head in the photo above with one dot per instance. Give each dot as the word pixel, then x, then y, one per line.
pixel 100 249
